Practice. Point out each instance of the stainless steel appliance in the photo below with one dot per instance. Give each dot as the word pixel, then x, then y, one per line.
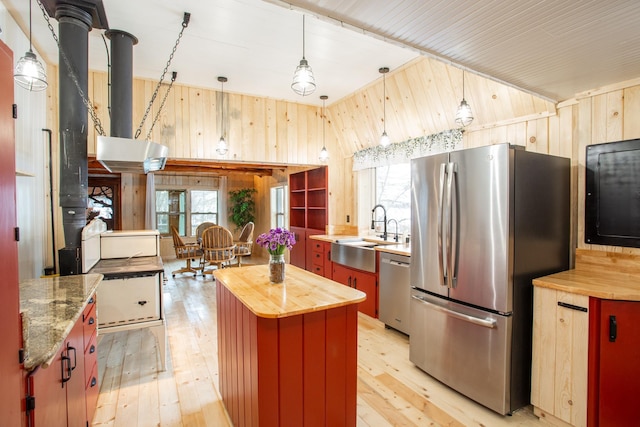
pixel 130 295
pixel 485 222
pixel 394 291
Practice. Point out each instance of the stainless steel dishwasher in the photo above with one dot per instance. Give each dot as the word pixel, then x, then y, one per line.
pixel 395 292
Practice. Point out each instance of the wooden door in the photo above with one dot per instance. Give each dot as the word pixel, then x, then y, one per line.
pixel 560 350
pixel 367 283
pixel 49 394
pixel 619 363
pixel 298 254
pixel 12 388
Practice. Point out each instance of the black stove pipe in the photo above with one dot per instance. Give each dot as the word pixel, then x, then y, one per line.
pixel 121 82
pixel 75 20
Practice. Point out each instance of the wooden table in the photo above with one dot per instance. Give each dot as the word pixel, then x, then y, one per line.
pixel 287 352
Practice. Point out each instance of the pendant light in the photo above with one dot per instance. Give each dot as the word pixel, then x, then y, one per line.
pixel 29 72
pixel 303 81
pixel 222 144
pixel 464 116
pixel 324 154
pixel 384 138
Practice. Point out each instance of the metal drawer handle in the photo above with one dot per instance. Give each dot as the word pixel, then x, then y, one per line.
pixel 94 381
pixel 92 320
pixel 142 302
pixel 92 349
pixel 487 323
pixel 572 307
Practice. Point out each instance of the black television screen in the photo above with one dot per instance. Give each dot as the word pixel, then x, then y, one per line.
pixel 612 202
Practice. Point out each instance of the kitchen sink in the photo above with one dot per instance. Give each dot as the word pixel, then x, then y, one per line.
pixel 355 253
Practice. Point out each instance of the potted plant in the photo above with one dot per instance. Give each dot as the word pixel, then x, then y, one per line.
pixel 242 207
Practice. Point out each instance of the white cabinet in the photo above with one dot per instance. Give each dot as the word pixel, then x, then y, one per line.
pixel 560 356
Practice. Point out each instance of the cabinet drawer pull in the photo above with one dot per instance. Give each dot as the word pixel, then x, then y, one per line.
pixel 91 321
pixel 613 329
pixel 65 360
pixel 94 381
pixel 572 307
pixel 90 301
pixel 92 349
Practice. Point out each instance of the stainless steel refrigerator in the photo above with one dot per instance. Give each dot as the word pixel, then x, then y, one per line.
pixel 485 222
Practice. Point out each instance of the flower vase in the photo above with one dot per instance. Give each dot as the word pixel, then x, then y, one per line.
pixel 276 268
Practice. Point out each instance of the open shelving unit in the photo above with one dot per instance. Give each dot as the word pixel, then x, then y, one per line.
pixel 308 210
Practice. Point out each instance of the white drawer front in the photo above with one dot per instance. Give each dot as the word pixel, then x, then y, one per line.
pixel 127 301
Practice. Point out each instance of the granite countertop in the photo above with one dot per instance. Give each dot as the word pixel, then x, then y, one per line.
pixel 50 308
pixel 604 284
pixel 301 292
pixel 383 245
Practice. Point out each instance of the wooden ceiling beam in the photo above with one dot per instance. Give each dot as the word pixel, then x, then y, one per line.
pixel 204 166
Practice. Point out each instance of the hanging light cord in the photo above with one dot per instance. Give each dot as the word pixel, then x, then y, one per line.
pixel 384 102
pixel 303 37
pixel 222 107
pixel 87 103
pixel 185 24
pixel 30 46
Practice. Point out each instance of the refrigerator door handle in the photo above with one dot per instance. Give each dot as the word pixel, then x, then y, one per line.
pixel 487 323
pixel 448 226
pixel 441 264
pixel 455 227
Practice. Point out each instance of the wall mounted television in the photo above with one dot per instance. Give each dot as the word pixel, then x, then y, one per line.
pixel 612 196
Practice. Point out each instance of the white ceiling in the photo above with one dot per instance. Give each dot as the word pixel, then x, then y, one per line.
pixel 552 48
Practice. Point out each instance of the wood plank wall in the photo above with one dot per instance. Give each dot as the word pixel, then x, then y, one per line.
pixel 422 97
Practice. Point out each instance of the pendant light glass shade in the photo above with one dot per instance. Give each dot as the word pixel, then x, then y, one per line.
pixel 303 81
pixel 384 138
pixel 464 116
pixel 222 143
pixel 29 72
pixel 324 154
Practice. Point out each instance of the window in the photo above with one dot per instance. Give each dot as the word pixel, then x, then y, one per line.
pixel 393 191
pixel 279 207
pixel 204 208
pixel 185 210
pixel 171 209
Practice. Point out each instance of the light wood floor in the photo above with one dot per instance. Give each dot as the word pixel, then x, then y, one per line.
pixel 391 390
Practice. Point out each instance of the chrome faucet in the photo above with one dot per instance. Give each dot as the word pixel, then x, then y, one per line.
pixel 384 221
pixel 396 221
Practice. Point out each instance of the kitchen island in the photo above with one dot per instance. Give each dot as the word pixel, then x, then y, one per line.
pixel 288 351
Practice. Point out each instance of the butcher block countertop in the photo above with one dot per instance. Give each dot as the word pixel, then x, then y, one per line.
pixel 602 284
pixel 604 275
pixel 301 292
pixel 49 308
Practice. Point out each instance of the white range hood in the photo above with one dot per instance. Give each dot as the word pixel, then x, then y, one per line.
pixel 127 155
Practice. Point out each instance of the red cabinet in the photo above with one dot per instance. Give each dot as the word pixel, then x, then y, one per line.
pixel 12 390
pixel 321 258
pixel 614 362
pixel 65 393
pixel 362 281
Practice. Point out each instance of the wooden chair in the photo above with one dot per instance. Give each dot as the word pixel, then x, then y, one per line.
pixel 244 242
pixel 186 251
pixel 200 229
pixel 217 247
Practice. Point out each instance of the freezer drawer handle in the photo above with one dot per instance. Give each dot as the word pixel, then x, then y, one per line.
pixel 487 323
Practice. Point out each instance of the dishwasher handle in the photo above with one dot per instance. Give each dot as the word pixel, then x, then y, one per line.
pixel 487 323
pixel 396 263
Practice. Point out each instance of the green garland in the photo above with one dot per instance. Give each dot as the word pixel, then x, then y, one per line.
pixel 402 152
